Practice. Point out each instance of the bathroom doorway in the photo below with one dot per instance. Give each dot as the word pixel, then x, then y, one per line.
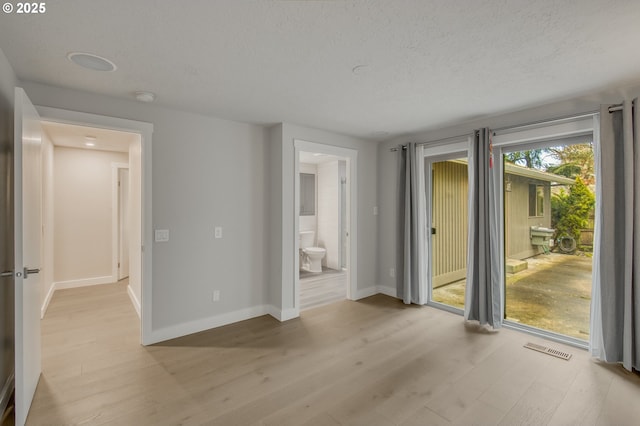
pixel 323 213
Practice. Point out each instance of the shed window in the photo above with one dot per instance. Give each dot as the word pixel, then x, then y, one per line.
pixel 536 200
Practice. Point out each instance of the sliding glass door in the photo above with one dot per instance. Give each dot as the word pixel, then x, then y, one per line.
pixel 446 211
pixel 548 201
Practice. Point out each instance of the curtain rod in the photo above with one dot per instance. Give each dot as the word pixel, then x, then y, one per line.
pixel 614 108
pixel 434 142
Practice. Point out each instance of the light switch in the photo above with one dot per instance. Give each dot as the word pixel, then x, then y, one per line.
pixel 218 232
pixel 162 235
pixel 375 211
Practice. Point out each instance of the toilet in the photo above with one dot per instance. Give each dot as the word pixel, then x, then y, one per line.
pixel 310 256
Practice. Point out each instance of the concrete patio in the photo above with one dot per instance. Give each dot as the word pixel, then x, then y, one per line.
pixel 553 293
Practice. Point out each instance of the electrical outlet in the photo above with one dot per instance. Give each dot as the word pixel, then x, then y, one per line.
pixel 392 272
pixel 216 295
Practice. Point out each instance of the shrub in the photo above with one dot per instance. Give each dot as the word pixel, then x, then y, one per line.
pixel 570 211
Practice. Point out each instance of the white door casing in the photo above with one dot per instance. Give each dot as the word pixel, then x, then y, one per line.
pixel 28 237
pixel 123 223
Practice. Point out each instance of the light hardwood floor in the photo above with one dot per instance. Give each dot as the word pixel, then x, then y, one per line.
pixel 321 289
pixel 372 362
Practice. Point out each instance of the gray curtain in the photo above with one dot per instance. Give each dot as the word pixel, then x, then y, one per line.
pixel 615 319
pixel 407 284
pixel 483 298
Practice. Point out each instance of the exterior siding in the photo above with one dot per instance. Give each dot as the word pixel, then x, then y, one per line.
pixel 517 219
pixel 450 218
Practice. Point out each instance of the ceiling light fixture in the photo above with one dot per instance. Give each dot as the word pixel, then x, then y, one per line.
pixel 91 61
pixel 145 96
pixel 89 144
pixel 90 141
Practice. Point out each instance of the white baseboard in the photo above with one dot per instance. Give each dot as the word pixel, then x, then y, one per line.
pixel 134 300
pixel 47 300
pixel 365 292
pixel 389 291
pixel 203 324
pixel 283 315
pixel 84 282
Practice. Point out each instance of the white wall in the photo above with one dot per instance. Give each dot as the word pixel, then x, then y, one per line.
pixel 135 224
pixel 206 172
pixel 282 211
pixel 46 274
pixel 310 223
pixel 329 213
pixel 83 215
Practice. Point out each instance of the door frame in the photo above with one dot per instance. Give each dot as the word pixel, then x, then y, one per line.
pixel 351 157
pixel 145 130
pixel 115 218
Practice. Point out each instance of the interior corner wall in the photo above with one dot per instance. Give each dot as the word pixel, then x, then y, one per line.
pixel 367 199
pixel 207 172
pixel 47 256
pixel 83 215
pixel 275 217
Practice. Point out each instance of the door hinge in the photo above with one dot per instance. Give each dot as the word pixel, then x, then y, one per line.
pixel 118 264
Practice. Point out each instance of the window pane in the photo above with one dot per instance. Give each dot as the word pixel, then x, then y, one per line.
pixel 548 206
pixel 539 200
pixel 532 200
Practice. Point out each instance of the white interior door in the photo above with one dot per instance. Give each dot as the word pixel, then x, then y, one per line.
pixel 28 237
pixel 123 223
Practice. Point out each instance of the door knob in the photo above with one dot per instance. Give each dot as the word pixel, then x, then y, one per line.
pixel 28 271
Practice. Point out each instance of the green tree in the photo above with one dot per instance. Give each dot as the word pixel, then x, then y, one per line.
pixel 570 211
pixel 533 159
pixel 573 161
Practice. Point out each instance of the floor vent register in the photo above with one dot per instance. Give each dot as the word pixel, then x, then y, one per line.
pixel 549 351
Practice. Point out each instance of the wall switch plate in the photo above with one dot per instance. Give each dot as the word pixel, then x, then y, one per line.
pixel 162 235
pixel 392 272
pixel 218 231
pixel 216 295
pixel 375 211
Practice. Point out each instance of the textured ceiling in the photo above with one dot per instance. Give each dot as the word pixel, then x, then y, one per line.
pixel 356 67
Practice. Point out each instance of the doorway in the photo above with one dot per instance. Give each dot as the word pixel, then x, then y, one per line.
pixel 444 206
pixel 139 196
pixel 94 215
pixel 324 224
pixel 322 271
